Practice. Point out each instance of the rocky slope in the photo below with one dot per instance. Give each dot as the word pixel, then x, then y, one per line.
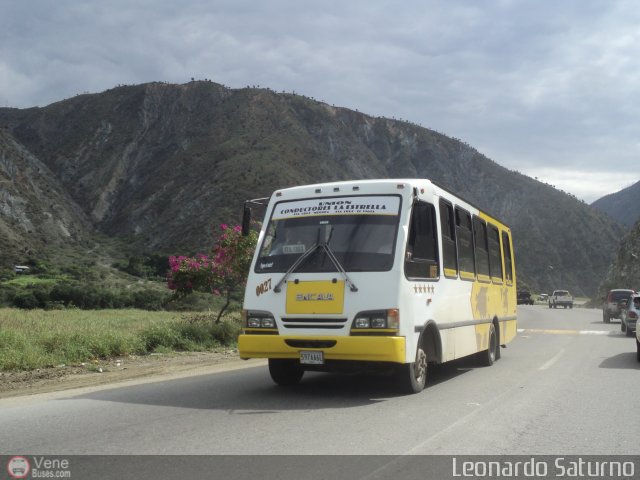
pixel 625 270
pixel 36 212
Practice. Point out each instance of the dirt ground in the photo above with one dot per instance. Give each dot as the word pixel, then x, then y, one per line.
pixel 95 373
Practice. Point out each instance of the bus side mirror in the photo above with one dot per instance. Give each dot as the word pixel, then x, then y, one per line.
pixel 246 220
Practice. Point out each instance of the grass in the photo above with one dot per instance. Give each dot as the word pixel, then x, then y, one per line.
pixel 26 280
pixel 31 339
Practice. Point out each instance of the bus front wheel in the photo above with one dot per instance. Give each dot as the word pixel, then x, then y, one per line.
pixel 285 372
pixel 412 377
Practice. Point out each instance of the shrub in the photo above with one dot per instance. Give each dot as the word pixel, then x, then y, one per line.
pixel 223 273
pixel 7 295
pixel 226 332
pixel 146 266
pixel 37 266
pixel 190 334
pixel 150 300
pixel 7 274
pixel 92 297
pixel 26 300
pixel 161 336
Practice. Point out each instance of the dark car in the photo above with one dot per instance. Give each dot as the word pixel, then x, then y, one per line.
pixel 611 309
pixel 524 297
pixel 629 312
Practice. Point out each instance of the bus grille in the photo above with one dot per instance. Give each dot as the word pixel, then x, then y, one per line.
pixel 322 323
pixel 310 343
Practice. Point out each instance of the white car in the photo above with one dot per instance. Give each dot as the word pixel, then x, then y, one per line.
pixel 629 313
pixel 561 298
pixel 638 342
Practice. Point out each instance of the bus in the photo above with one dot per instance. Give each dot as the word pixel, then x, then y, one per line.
pixel 386 276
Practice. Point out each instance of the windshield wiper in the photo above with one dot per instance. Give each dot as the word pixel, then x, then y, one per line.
pixel 294 266
pixel 339 267
pixel 324 244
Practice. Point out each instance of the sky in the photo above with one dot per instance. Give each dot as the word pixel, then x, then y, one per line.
pixel 549 88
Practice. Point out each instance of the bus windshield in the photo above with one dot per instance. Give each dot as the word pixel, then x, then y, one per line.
pixel 362 239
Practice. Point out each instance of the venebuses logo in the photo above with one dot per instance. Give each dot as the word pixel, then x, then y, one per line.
pixel 18 467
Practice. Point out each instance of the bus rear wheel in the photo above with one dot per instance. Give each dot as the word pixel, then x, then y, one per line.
pixel 489 356
pixel 285 372
pixel 412 377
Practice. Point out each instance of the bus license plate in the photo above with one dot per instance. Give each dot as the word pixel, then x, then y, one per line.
pixel 312 358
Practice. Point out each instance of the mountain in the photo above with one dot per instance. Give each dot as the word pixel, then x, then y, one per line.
pixel 160 165
pixel 625 270
pixel 623 206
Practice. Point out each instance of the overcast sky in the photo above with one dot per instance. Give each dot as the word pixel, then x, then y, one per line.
pixel 550 88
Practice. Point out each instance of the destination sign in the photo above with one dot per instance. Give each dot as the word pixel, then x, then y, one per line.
pixel 360 205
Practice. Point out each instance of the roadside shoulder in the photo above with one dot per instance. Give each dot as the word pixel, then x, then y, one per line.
pixel 115 372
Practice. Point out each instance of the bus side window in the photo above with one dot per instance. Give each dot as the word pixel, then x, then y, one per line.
pixel 508 259
pixel 480 242
pixel 422 246
pixel 448 228
pixel 464 241
pixel 495 259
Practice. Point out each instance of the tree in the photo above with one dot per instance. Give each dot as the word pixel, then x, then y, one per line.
pixel 222 273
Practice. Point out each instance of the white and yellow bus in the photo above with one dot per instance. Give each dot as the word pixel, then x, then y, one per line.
pixel 377 275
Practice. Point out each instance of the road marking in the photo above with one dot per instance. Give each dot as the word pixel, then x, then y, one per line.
pixel 395 462
pixel 564 332
pixel 551 361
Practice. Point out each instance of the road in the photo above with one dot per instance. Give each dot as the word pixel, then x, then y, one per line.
pixel 567 384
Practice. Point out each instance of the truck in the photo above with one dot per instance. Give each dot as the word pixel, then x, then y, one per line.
pixel 561 298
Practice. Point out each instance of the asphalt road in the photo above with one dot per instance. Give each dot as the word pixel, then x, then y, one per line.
pixel 568 384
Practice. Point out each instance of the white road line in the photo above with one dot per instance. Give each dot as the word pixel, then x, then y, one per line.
pixel 551 361
pixel 564 332
pixel 420 446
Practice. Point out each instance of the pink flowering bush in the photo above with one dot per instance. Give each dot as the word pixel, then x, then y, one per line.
pixel 223 272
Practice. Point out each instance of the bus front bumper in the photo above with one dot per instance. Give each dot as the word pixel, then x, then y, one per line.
pixel 352 348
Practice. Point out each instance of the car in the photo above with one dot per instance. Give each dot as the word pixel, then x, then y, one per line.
pixel 524 297
pixel 629 311
pixel 638 344
pixel 543 297
pixel 561 298
pixel 610 308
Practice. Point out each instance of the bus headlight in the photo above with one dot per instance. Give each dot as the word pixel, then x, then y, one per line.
pixel 378 322
pixel 377 319
pixel 253 323
pixel 257 319
pixel 362 322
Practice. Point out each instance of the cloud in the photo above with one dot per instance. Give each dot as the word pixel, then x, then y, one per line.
pixel 529 84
